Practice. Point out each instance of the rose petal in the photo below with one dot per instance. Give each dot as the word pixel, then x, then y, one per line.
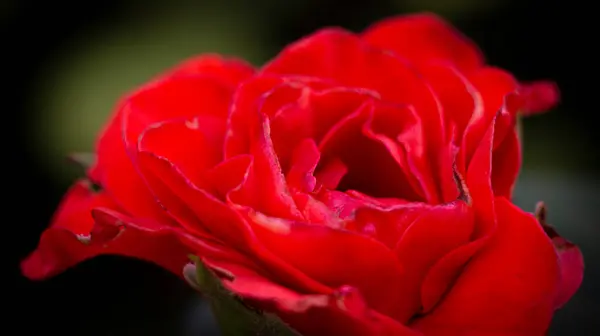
pixel 507 288
pixel 243 112
pixel 571 266
pixel 176 139
pixel 479 178
pixel 334 257
pixel 158 101
pixel 456 94
pixel 400 130
pixel 363 153
pixel 230 71
pixel 222 222
pixel 436 232
pixel 115 172
pixel 76 236
pixel 226 175
pixel 173 98
pixel 316 212
pixel 265 187
pixel 309 114
pixel 330 174
pixel 492 86
pixel 540 96
pixel 342 312
pixel 569 257
pixel 304 162
pixel 341 56
pixel 197 209
pixel 424 38
pixel 387 225
pixel 506 164
pixel 72 218
pixel 478 193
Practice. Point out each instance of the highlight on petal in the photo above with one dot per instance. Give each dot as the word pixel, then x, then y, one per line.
pixel 425 38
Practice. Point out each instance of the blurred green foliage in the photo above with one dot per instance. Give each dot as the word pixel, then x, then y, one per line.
pixel 80 86
pixel 78 91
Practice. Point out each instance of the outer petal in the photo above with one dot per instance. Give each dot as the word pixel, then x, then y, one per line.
pixel 476 190
pixel 194 144
pixel 506 162
pixel 230 71
pixel 341 56
pixel 492 87
pixel 540 96
pixel 165 99
pixel 569 257
pixel 425 38
pixel 343 312
pixel 74 237
pixel 571 267
pixel 264 94
pixel 457 95
pixel 507 289
pixel 220 220
pixel 436 232
pixel 324 254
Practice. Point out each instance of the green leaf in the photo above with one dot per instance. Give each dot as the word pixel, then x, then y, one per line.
pixel 233 315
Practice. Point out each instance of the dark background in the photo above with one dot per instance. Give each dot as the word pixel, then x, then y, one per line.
pixel 68 62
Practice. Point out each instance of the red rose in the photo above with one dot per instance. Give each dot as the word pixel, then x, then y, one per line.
pixel 354 185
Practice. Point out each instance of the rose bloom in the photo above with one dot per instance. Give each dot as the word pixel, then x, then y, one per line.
pixel 357 184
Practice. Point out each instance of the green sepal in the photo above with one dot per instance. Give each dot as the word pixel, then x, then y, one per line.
pixel 83 160
pixel 234 317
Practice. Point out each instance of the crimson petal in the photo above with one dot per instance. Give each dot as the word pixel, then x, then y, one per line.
pixel 569 258
pixel 334 257
pixel 221 220
pixel 342 312
pixel 230 71
pixel 507 288
pixel 424 38
pixel 76 236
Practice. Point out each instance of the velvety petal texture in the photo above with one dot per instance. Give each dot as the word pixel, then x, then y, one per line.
pixel 356 184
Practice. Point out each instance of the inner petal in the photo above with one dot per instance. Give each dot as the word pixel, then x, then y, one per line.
pixel 310 113
pixel 372 168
